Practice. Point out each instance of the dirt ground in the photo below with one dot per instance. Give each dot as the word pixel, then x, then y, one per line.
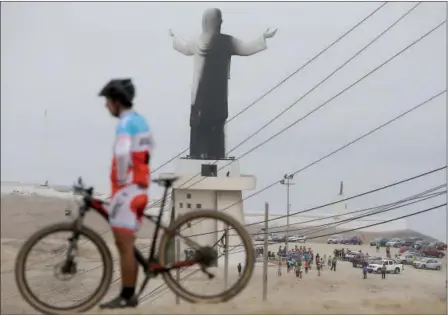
pixel 341 292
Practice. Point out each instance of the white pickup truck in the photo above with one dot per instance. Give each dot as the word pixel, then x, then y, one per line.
pixel 391 266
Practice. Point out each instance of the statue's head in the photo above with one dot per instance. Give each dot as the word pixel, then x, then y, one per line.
pixel 212 20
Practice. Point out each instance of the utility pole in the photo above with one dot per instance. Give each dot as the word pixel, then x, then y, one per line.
pixel 287 181
pixel 265 252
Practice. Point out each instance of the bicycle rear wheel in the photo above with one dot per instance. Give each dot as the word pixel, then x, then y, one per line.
pixel 86 303
pixel 246 245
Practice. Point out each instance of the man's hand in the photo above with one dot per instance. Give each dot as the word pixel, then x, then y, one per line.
pixel 269 34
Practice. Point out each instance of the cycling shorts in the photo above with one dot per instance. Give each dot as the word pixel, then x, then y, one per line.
pixel 126 208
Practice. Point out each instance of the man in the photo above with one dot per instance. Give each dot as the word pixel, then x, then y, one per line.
pixel 299 268
pixel 364 270
pixel 333 264
pixel 239 269
pixel 318 265
pixel 130 179
pixel 279 270
pixel 383 271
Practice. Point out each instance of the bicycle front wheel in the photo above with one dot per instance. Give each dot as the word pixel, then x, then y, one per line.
pixel 244 248
pixel 62 272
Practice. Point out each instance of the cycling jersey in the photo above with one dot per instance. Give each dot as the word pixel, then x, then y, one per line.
pixel 132 152
pixel 130 173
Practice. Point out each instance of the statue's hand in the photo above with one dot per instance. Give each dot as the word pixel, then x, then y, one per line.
pixel 170 32
pixel 269 34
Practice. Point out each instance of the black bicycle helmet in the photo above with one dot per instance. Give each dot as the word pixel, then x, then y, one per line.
pixel 122 90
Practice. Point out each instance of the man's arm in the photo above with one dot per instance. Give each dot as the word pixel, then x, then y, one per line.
pixel 122 151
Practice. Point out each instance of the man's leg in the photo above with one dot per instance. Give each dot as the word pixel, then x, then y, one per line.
pixel 125 220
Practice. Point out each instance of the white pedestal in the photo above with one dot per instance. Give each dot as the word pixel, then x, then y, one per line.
pixel 222 192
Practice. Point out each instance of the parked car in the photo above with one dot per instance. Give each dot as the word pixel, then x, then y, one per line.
pixel 391 266
pixel 405 248
pixel 407 242
pixel 420 244
pixel 428 263
pixel 383 241
pixel 408 258
pixel 298 239
pixel 374 241
pixel 261 238
pixel 440 246
pixel 394 242
pixel 432 252
pixel 360 259
pixel 349 255
pixel 354 240
pixel 334 240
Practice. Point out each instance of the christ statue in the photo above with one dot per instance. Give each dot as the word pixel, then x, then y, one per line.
pixel 212 52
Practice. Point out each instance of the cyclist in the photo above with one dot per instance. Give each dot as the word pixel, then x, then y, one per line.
pixel 130 178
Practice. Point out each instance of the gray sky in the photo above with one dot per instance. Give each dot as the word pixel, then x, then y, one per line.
pixel 57 56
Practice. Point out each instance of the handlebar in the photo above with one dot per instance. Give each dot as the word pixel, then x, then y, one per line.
pixel 80 188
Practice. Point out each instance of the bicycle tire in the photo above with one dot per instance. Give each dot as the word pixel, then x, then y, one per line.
pixel 227 294
pixel 94 299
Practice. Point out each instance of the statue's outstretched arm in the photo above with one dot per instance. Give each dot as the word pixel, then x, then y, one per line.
pixel 181 45
pixel 242 48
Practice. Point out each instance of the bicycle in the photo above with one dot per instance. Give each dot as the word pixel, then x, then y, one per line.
pixel 154 265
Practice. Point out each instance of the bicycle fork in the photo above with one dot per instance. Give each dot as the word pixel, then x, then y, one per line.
pixel 69 266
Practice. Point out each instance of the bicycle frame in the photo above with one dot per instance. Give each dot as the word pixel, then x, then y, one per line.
pixel 150 266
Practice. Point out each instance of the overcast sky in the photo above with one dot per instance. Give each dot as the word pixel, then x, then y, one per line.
pixel 57 56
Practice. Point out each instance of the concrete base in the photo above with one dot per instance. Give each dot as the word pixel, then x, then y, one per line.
pixel 222 191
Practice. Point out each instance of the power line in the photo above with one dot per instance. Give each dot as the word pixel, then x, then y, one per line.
pixel 351 230
pixel 409 198
pixel 345 199
pixel 359 195
pixel 326 78
pixel 331 99
pixel 343 147
pixel 384 222
pixel 339 149
pixel 154 293
pixel 370 209
pixel 285 79
pixel 327 226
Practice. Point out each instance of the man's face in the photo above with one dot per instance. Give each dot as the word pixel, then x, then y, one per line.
pixel 112 107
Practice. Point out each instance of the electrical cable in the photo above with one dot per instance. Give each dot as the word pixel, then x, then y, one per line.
pixel 337 150
pixel 329 100
pixel 362 227
pixel 384 222
pixel 334 224
pixel 285 79
pixel 345 199
pixel 376 208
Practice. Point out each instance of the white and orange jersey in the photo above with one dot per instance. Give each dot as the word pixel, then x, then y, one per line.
pixel 132 151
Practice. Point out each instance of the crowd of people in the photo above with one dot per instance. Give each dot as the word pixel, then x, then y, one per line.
pixel 301 259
